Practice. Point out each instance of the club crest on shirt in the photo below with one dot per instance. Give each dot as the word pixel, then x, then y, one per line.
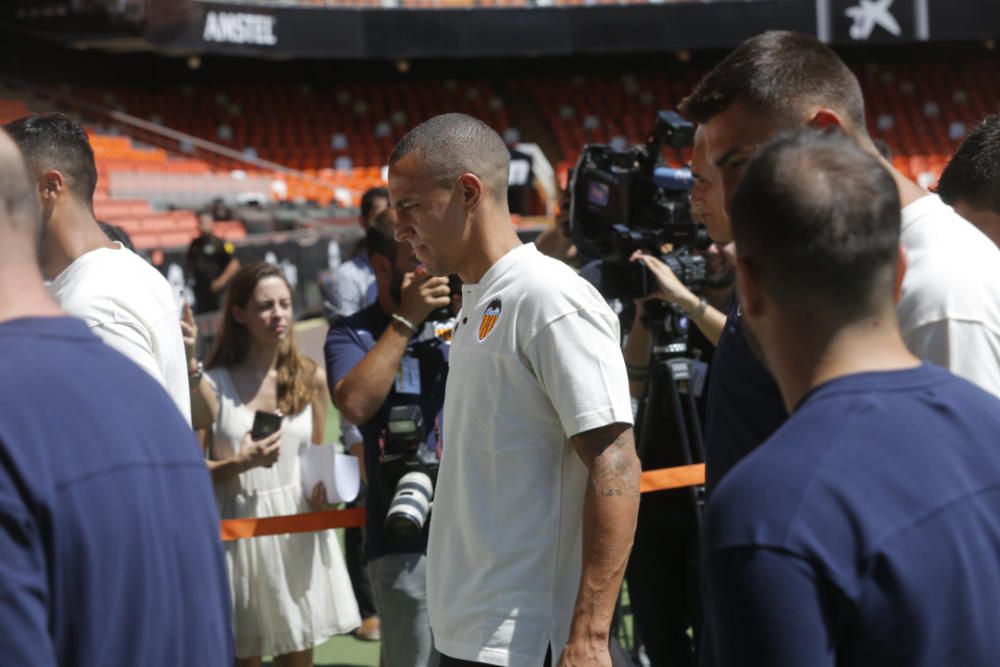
pixel 490 317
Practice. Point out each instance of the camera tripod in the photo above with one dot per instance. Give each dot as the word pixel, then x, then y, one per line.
pixel 668 408
pixel 668 432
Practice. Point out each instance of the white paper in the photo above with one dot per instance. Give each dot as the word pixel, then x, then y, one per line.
pixel 339 473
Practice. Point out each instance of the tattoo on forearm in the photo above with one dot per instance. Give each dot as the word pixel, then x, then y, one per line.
pixel 614 469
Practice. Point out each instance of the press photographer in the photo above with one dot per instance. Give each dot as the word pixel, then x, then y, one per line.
pixel 388 364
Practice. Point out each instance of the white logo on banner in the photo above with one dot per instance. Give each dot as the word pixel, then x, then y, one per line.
pixel 869 13
pixel 520 171
pixel 233 28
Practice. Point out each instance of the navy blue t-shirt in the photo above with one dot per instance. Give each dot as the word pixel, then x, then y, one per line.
pixel 865 531
pixel 347 343
pixel 109 532
pixel 744 404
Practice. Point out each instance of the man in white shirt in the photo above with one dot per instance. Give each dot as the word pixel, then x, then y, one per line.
pixel 949 308
pixel 124 300
pixel 971 181
pixel 529 537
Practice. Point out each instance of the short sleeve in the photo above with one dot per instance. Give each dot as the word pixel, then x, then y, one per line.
pixel 578 360
pixel 343 351
pixel 765 607
pixel 24 594
pixel 969 349
pixel 130 340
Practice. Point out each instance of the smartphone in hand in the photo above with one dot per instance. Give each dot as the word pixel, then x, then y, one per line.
pixel 265 424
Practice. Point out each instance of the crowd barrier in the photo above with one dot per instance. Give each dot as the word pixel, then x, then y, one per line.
pixel 238 529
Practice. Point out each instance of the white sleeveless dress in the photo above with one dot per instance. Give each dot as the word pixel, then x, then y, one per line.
pixel 290 592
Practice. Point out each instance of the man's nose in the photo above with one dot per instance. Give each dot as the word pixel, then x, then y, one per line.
pixel 402 231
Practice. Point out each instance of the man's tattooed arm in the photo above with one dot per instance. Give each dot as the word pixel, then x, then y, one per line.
pixel 610 508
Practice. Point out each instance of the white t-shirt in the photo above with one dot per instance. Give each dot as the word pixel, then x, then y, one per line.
pixel 949 310
pixel 535 359
pixel 353 286
pixel 129 305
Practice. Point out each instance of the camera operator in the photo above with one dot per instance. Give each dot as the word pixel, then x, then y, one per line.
pixel 704 312
pixel 662 571
pixel 948 301
pixel 382 357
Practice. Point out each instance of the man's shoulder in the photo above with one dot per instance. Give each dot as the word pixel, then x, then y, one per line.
pixel 762 497
pixel 198 242
pixel 117 272
pixel 354 267
pixel 948 256
pixel 73 352
pixel 551 288
pixel 367 319
pixel 955 286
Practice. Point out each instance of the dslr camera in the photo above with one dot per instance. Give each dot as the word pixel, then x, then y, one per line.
pixel 407 477
pixel 626 200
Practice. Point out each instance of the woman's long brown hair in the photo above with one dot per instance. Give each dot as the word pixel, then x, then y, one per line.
pixel 295 371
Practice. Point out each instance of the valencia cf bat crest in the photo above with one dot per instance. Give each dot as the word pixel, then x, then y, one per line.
pixel 490 317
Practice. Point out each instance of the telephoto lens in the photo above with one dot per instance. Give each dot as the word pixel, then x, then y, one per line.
pixel 410 507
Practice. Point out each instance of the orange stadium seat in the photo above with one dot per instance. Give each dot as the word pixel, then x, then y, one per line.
pixel 340 136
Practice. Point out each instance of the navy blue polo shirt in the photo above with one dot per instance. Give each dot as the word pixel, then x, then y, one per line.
pixel 109 532
pixel 349 340
pixel 865 531
pixel 744 404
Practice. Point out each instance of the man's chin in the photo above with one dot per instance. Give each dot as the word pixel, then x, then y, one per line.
pixel 432 265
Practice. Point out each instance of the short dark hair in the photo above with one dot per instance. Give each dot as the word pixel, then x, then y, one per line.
pixel 973 173
pixel 55 141
pixel 819 218
pixel 380 238
pixel 776 74
pixel 368 200
pixel 453 144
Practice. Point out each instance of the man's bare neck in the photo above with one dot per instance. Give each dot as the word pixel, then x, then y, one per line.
pixel 497 239
pixel 22 293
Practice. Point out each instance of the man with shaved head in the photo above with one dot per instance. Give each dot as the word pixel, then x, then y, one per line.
pixel 121 297
pixel 949 307
pixel 109 532
pixel 538 490
pixel 866 529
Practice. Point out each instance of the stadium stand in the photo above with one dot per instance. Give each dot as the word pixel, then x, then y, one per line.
pixel 339 136
pixel 922 111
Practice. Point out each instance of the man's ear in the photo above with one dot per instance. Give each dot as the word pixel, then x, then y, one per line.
pixel 51 184
pixel 824 118
pixel 471 188
pixel 749 287
pixel 380 264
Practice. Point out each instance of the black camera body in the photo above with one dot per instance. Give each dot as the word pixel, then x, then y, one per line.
pixel 407 477
pixel 623 201
pixel 445 313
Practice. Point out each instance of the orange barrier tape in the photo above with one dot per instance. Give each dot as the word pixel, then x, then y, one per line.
pixel 237 529
pixel 672 478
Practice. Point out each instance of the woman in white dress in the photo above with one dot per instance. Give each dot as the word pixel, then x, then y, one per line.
pixel 290 592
